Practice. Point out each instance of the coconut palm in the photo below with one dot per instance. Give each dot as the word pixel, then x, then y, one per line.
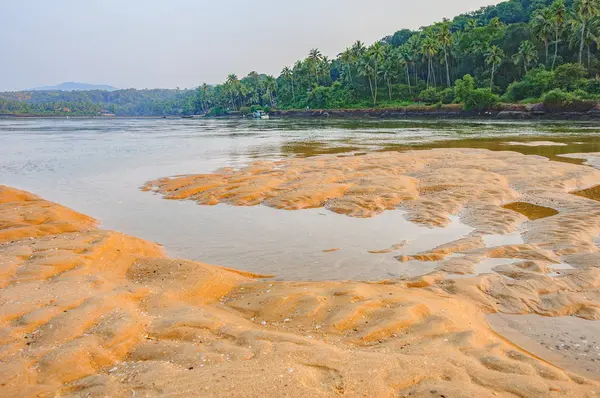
pixel 404 58
pixel 495 23
pixel 358 49
pixel 591 36
pixel 389 68
pixel 375 53
pixel 270 85
pixel 314 57
pixel 289 75
pixel 494 57
pixel 232 83
pixel 204 89
pixel 413 47
pixel 430 47
pixel 367 68
pixel 527 54
pixel 325 66
pixel 444 37
pixel 559 16
pixel 347 59
pixel 543 27
pixel 471 24
pixel 586 10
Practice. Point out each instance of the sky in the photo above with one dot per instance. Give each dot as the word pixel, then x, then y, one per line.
pixel 183 43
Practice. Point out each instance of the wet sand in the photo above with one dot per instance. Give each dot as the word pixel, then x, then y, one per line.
pixel 569 342
pixel 86 311
pixel 89 312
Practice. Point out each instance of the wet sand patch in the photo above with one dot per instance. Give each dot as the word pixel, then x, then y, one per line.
pixel 535 143
pixel 530 210
pixel 573 343
pixel 590 193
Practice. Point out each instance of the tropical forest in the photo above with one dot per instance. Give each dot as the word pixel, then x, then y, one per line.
pixel 518 51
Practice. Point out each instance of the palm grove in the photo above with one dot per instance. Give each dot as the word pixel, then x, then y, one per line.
pixel 516 51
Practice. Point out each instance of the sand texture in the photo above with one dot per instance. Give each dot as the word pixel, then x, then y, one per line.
pixel 535 143
pixel 89 312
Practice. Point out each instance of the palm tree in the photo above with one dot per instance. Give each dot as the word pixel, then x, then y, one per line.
pixel 289 75
pixel 270 87
pixel 358 49
pixel 495 23
pixel 527 54
pixel 559 16
pixel 367 68
pixel 232 83
pixel 591 37
pixel 430 48
pixel 404 58
pixel 347 58
pixel 586 10
pixel 204 90
pixel 413 46
pixel 389 68
pixel 542 27
pixel 375 53
pixel 325 66
pixel 444 37
pixel 494 57
pixel 315 57
pixel 471 24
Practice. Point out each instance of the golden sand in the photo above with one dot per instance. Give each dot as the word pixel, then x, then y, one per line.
pixel 88 312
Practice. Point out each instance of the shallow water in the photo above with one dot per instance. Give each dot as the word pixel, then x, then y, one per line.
pixel 569 342
pixel 96 166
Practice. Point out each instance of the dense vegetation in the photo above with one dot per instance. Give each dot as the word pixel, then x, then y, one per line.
pixel 516 51
pixel 120 102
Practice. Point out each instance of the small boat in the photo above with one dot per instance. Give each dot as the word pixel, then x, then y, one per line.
pixel 187 116
pixel 260 114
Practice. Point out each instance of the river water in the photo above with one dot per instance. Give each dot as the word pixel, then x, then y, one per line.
pixel 96 166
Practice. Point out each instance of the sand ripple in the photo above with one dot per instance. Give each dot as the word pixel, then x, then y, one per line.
pixel 88 312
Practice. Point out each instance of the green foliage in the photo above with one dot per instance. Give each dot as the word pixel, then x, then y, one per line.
pixel 335 96
pixel 217 111
pixel 534 84
pixel 429 96
pixel 481 99
pixel 570 76
pixel 558 98
pixel 592 86
pixel 319 97
pixel 472 98
pixel 463 88
pixel 447 96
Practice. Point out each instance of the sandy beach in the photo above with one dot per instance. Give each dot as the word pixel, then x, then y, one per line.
pixel 90 312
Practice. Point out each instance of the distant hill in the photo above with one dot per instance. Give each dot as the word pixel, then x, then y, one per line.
pixel 74 86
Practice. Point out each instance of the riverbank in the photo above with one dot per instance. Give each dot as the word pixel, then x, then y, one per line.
pixel 583 111
pixel 89 311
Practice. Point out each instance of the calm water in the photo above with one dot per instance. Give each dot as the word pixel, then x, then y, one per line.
pixel 96 166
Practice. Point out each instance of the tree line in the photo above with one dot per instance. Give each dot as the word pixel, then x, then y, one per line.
pixel 518 50
pixel 130 102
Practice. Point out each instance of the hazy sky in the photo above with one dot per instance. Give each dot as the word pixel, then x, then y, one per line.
pixel 169 43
